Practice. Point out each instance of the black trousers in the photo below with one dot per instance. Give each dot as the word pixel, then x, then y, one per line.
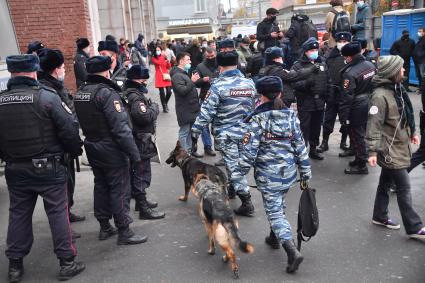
pixel 164 95
pixel 111 190
pixel 417 158
pixel 411 220
pixel 357 135
pixel 311 122
pixel 71 182
pixel 22 203
pixel 141 180
pixel 406 66
pixel 331 111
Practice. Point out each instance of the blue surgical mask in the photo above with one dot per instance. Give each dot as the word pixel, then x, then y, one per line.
pixel 158 52
pixel 187 67
pixel 360 4
pixel 313 55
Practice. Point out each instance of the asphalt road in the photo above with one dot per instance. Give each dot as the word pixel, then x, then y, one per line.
pixel 348 248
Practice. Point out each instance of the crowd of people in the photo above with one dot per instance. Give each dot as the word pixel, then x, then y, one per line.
pixel 265 100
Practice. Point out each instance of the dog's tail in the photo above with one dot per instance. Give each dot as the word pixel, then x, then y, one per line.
pixel 232 229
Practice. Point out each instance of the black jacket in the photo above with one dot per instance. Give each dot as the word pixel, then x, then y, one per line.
pixel 312 92
pixel 295 34
pixel 403 48
pixel 264 29
pixel 143 114
pixel 255 64
pixel 288 77
pixel 80 67
pixel 57 85
pixel 195 55
pixel 335 62
pixel 206 69
pixel 419 51
pixel 356 87
pixel 113 151
pixel 186 96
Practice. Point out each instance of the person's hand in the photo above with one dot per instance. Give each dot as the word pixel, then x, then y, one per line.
pixel 415 139
pixel 274 34
pixel 281 34
pixel 373 160
pixel 206 79
pixel 195 77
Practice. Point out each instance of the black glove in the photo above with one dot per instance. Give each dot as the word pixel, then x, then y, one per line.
pixel 136 166
pixel 316 68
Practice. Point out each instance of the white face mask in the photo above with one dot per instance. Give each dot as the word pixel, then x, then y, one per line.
pixel 204 45
pixel 340 45
pixel 419 34
pixel 61 77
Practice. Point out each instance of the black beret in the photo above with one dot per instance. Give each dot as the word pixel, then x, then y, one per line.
pixel 23 63
pixel 50 59
pixel 34 46
pixel 229 58
pixel 137 72
pixel 269 86
pixel 271 11
pixel 108 45
pixel 110 37
pixel 310 43
pixel 82 43
pixel 226 43
pixel 98 64
pixel 343 36
pixel 351 49
pixel 363 43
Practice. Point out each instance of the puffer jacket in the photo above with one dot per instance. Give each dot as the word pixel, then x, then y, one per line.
pixel 361 28
pixel 384 116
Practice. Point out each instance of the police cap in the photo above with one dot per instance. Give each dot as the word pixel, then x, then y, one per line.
pixel 22 63
pixel 98 64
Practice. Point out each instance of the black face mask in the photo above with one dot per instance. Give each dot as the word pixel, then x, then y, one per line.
pixel 210 62
pixel 272 18
pixel 405 36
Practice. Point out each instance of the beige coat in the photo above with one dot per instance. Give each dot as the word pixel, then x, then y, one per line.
pixel 329 21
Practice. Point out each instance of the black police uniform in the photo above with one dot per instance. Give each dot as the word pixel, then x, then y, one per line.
pixel 356 86
pixel 143 114
pixel 311 94
pixel 108 144
pixel 66 97
pixel 36 130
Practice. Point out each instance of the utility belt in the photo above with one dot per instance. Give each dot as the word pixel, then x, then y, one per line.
pixel 40 164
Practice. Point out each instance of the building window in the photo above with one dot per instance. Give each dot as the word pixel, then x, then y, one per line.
pixel 200 6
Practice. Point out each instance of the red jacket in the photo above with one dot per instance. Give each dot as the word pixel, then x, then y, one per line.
pixel 162 66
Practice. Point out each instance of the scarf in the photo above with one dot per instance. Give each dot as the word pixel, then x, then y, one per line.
pixel 406 112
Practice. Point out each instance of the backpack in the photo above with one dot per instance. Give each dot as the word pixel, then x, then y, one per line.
pixel 340 23
pixel 307 30
pixel 308 216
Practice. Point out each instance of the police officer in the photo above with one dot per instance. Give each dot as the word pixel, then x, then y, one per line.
pixel 109 144
pixel 274 145
pixel 52 74
pixel 34 47
pixel 110 48
pixel 335 63
pixel 36 130
pixel 82 54
pixel 143 114
pixel 356 86
pixel 311 94
pixel 229 100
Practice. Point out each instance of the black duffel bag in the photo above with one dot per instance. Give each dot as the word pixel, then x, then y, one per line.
pixel 308 215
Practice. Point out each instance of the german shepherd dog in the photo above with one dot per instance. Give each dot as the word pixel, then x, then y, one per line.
pixel 191 167
pixel 219 221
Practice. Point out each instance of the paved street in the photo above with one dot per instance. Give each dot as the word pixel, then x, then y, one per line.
pixel 347 248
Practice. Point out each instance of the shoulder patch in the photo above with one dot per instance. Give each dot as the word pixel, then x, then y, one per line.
pixel 246 92
pixel 246 138
pixel 142 107
pixel 373 110
pixel 117 106
pixel 346 83
pixel 66 108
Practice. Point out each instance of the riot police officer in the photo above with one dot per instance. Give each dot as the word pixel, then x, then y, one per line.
pixel 52 74
pixel 36 130
pixel 143 114
pixel 356 86
pixel 109 144
pixel 229 100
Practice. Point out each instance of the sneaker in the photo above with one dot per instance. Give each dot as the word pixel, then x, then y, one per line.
pixel 390 224
pixel 420 235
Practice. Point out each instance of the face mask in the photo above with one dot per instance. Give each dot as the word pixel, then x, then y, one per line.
pixel 211 61
pixel 360 4
pixel 61 77
pixel 340 45
pixel 419 34
pixel 187 67
pixel 405 36
pixel 158 52
pixel 313 56
pixel 204 45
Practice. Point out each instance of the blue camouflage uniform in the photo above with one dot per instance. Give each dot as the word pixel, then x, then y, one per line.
pixel 229 100
pixel 274 146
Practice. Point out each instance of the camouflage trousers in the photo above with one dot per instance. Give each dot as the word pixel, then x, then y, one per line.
pixel 274 205
pixel 230 150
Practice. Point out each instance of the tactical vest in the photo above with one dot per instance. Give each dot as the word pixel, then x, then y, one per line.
pixel 92 120
pixel 24 132
pixel 137 128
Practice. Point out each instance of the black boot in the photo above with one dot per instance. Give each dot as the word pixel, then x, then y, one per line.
pixel 359 169
pixel 314 154
pixel 294 256
pixel 343 145
pixel 325 144
pixel 272 240
pixel 76 218
pixel 151 204
pixel 208 151
pixel 246 208
pixel 148 213
pixel 346 153
pixel 164 108
pixel 231 191
pixel 106 230
pixel 69 268
pixel 16 270
pixel 352 163
pixel 127 237
pixel 194 151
